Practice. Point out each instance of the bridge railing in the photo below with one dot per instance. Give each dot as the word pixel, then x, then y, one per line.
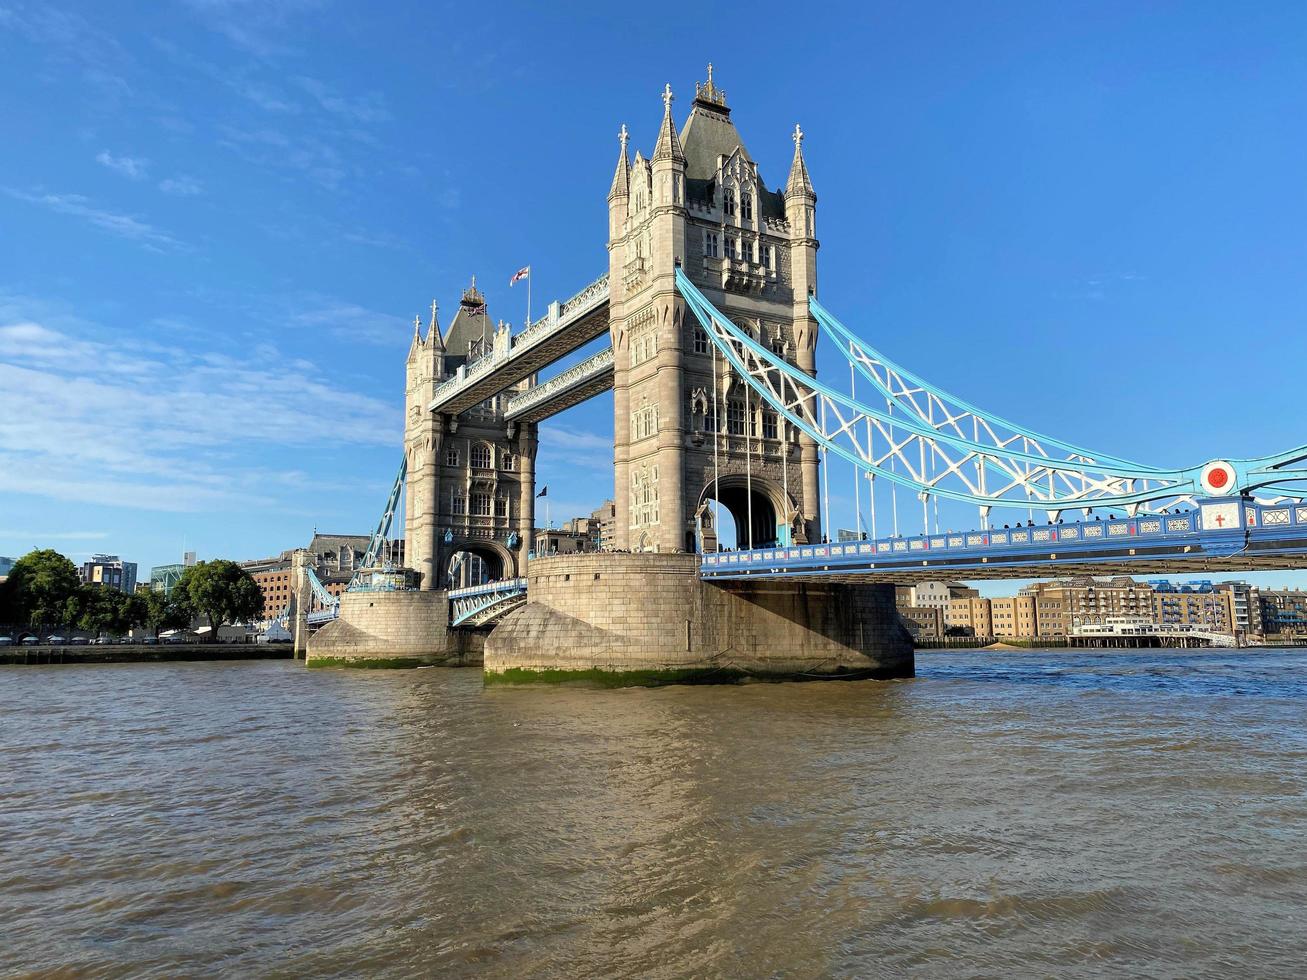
pixel 588 368
pixel 560 316
pixel 1054 540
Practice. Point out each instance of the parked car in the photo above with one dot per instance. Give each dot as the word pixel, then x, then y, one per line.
pixel 78 641
pixel 148 640
pixel 6 641
pixel 52 640
pixel 29 641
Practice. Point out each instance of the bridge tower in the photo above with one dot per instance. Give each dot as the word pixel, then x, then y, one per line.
pixel 471 477
pixel 685 431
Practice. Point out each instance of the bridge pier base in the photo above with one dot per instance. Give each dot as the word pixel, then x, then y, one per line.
pixel 621 619
pixel 393 629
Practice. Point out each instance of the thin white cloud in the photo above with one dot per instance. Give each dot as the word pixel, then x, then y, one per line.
pixel 122 225
pixel 134 168
pixel 53 535
pixel 354 322
pixel 369 108
pixel 183 423
pixel 181 186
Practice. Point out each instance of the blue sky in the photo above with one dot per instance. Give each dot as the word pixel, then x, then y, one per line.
pixel 219 217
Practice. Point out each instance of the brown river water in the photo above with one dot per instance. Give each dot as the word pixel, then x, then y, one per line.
pixel 1003 814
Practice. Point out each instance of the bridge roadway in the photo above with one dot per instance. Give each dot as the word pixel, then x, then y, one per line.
pixel 567 327
pixel 1267 537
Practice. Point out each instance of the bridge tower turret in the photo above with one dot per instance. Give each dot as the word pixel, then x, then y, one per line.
pixel 423 435
pixel 801 216
pixel 700 204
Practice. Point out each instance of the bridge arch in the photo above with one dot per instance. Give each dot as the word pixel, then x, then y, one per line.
pixel 760 498
pixel 500 562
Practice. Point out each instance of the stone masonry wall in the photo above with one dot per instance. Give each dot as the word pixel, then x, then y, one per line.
pixel 393 629
pixel 651 612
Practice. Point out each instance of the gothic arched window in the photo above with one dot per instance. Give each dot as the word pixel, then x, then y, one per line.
pixel 480 456
pixel 746 206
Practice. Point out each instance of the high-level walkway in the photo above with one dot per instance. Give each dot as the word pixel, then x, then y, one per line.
pixel 567 327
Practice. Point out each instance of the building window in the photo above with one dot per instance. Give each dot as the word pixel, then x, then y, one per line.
pixel 508 461
pixel 700 341
pixel 728 202
pixel 769 427
pixel 732 247
pixel 451 456
pixel 735 418
pixel 778 344
pixel 480 456
pixel 457 503
pixel 746 206
pixel 643 348
pixel 710 244
pixel 644 422
pixel 501 506
pixel 480 505
pixel 765 255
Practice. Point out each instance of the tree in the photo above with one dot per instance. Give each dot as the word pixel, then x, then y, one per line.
pixel 164 612
pixel 39 589
pixel 103 610
pixel 222 592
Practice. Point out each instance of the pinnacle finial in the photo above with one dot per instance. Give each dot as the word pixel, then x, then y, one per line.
pixel 668 98
pixel 417 325
pixel 798 136
pixel 623 136
pixel 434 307
pixel 710 73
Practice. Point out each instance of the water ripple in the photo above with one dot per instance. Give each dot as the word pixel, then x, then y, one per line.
pixel 1080 814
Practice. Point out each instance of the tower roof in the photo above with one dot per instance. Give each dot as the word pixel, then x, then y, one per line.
pixel 799 182
pixel 622 176
pixel 433 329
pixel 470 323
pixel 668 146
pixel 709 135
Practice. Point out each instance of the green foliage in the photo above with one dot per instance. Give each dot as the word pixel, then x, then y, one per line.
pixel 165 612
pixel 42 590
pixel 220 591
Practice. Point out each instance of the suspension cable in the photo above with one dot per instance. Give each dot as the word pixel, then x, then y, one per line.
pixel 748 465
pixel 857 478
pixel 716 475
pixel 825 478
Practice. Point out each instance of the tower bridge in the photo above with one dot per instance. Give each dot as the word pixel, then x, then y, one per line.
pixel 710 305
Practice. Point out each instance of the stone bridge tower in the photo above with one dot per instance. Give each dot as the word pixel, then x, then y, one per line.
pixel 679 437
pixel 471 477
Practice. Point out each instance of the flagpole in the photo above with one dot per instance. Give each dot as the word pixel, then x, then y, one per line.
pixel 528 296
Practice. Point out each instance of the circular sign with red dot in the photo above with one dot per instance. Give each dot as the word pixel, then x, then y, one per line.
pixel 1218 477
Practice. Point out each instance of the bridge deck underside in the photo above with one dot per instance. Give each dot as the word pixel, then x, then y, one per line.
pixel 521 363
pixel 594 384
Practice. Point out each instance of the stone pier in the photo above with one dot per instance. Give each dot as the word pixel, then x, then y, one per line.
pixel 393 629
pixel 648 619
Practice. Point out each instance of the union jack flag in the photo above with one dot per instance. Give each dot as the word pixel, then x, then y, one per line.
pixel 475 309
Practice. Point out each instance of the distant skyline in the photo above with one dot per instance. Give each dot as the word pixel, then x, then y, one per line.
pixel 218 219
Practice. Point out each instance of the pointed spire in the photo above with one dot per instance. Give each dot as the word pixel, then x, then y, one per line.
pixel 799 182
pixel 669 144
pixel 622 176
pixel 416 345
pixel 433 328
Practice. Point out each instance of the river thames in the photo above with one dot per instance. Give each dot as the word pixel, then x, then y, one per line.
pixel 1026 814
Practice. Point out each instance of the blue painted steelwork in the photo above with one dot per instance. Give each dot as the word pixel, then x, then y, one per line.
pixel 379 536
pixel 479 604
pixel 938 445
pixel 1251 535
